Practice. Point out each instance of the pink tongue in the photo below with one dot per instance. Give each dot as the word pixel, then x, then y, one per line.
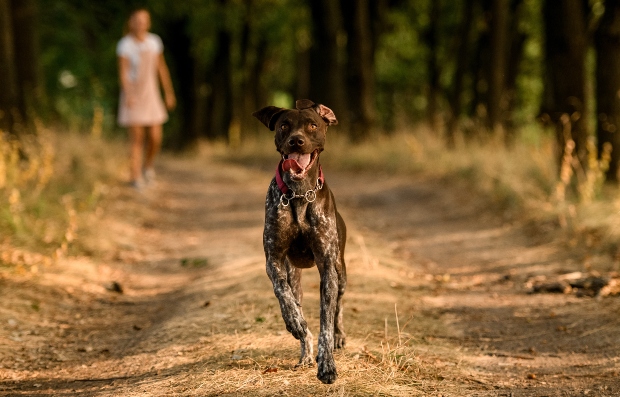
pixel 296 162
pixel 291 164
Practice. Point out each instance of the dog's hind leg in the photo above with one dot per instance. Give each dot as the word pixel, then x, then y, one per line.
pixel 290 307
pixel 341 269
pixel 329 295
pixel 294 280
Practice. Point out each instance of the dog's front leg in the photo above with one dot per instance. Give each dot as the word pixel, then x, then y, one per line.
pixel 291 309
pixel 329 295
pixel 294 281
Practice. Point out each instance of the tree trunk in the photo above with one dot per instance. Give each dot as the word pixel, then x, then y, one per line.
pixel 250 93
pixel 254 93
pixel 565 52
pixel 220 101
pixel 432 38
pixel 517 42
pixel 607 41
pixel 9 99
pixel 302 88
pixel 462 54
pixel 178 45
pixel 480 67
pixel 26 47
pixel 326 66
pixel 496 104
pixel 360 68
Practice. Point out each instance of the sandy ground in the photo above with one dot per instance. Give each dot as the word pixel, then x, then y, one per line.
pixel 435 305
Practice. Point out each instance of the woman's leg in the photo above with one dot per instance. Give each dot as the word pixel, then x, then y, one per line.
pixel 136 137
pixel 153 145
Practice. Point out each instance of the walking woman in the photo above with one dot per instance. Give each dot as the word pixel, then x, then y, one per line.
pixel 141 67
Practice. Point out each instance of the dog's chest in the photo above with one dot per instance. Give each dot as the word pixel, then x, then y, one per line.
pixel 302 216
pixel 311 221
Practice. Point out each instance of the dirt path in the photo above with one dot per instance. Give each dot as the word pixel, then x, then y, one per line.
pixel 435 303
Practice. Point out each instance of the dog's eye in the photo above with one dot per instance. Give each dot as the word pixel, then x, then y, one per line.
pixel 284 127
pixel 313 127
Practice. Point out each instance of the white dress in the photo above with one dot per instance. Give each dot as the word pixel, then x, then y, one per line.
pixel 148 108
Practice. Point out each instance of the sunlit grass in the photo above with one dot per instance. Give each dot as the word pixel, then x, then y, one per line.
pixel 48 181
pixel 520 179
pixel 523 174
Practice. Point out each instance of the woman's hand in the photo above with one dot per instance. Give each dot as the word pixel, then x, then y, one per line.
pixel 171 101
pixel 166 82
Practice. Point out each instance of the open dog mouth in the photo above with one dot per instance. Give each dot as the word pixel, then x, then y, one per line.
pixel 298 164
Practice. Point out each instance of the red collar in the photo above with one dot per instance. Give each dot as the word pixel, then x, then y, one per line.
pixel 282 186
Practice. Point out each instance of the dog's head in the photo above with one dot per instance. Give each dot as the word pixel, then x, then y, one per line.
pixel 300 133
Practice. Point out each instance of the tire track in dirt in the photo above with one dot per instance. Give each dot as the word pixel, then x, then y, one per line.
pixel 198 316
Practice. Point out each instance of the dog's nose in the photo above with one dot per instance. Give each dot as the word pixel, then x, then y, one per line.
pixel 296 140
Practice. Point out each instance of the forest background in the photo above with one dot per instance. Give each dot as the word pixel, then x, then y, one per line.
pixel 470 67
pixel 511 72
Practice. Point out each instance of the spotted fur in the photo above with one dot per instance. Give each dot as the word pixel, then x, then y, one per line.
pixel 305 234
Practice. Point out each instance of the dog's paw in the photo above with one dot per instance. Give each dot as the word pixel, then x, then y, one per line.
pixel 327 370
pixel 340 340
pixel 297 326
pixel 306 361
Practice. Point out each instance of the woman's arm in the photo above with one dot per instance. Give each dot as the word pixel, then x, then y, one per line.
pixel 166 82
pixel 123 74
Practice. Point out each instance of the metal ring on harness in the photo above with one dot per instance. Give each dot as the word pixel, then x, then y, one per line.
pixel 285 200
pixel 310 196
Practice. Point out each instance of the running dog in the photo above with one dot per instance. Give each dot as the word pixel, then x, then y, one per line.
pixel 303 228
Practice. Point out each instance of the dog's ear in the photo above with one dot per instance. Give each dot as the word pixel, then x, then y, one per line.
pixel 269 116
pixel 326 114
pixel 302 104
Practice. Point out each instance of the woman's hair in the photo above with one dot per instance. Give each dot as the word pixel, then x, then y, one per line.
pixel 133 12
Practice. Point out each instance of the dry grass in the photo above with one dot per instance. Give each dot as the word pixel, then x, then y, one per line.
pixel 391 357
pixel 50 183
pixel 524 174
pixel 522 180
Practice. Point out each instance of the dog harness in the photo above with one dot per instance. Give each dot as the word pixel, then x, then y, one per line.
pixel 288 194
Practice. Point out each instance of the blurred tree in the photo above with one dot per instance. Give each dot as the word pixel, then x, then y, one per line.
pixel 462 49
pixel 178 46
pixel 26 47
pixel 480 64
pixel 219 108
pixel 494 63
pixel 377 63
pixel 565 76
pixel 516 41
pixel 607 41
pixel 360 67
pixel 327 77
pixel 434 71
pixel 9 97
pixel 247 100
pixel 499 50
pixel 19 62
